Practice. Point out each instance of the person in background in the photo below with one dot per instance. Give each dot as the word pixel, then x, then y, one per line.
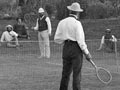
pixel 108 41
pixel 9 37
pixel 43 26
pixel 21 29
pixel 70 33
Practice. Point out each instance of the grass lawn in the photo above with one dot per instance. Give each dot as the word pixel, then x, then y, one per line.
pixel 21 69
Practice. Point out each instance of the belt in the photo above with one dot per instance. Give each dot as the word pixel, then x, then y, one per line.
pixel 68 40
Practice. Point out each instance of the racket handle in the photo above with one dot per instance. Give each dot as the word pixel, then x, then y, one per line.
pixel 93 64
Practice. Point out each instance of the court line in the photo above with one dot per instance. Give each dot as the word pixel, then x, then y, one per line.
pixel 59 64
pixel 89 68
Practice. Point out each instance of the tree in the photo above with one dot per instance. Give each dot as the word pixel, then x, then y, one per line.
pixel 102 1
pixel 62 10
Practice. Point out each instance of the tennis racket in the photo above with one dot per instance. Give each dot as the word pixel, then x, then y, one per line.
pixel 102 74
pixel 30 19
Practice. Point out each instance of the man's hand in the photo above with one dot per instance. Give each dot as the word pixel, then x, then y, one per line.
pixel 88 56
pixel 98 49
pixel 49 34
pixel 112 40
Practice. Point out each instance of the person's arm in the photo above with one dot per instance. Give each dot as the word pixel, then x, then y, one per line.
pixel 2 39
pixel 26 27
pixel 49 25
pixel 16 41
pixel 15 35
pixel 114 39
pixel 36 27
pixel 58 34
pixel 102 42
pixel 27 31
pixel 80 37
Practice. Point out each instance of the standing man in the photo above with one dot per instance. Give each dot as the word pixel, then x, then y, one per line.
pixel 70 32
pixel 43 26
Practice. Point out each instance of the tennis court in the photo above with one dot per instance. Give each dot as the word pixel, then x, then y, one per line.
pixel 21 69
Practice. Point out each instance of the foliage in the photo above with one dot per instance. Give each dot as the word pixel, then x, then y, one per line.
pixel 34 5
pixel 92 8
pixel 62 10
pixel 109 8
pixel 96 11
pixel 49 9
pixel 100 11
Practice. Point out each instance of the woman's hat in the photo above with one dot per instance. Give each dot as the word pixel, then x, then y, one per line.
pixel 41 10
pixel 75 7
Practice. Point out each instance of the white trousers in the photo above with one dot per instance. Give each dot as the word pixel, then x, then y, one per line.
pixel 44 45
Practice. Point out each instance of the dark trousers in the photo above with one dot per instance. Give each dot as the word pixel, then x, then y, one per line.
pixel 109 46
pixel 72 62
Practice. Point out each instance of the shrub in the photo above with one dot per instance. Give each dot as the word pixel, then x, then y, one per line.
pixel 61 10
pixel 49 9
pixel 100 11
pixel 96 11
pixel 110 8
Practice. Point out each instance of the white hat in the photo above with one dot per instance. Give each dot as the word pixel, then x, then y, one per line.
pixel 75 7
pixel 108 29
pixel 41 10
pixel 9 26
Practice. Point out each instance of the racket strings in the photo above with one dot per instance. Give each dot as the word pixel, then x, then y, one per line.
pixel 104 75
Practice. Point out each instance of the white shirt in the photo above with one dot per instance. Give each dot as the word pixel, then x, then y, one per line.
pixel 113 39
pixel 48 23
pixel 8 36
pixel 72 29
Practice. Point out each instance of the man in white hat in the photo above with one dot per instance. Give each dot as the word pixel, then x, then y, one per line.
pixel 108 41
pixel 9 37
pixel 43 26
pixel 70 32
